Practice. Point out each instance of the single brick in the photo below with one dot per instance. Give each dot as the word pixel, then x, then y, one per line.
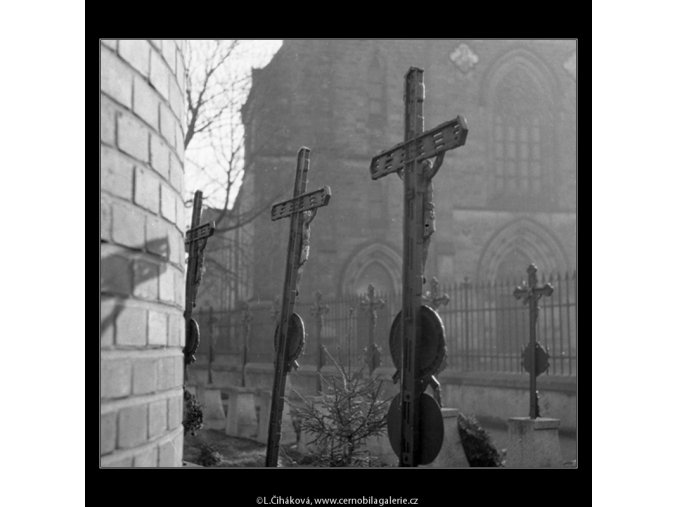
pixel 159 156
pixel 167 287
pixel 106 220
pixel 180 75
pixel 132 426
pixel 116 274
pixel 147 458
pixel 175 324
pixel 170 452
pixel 109 312
pixel 177 249
pixel 118 462
pixel 175 98
pixel 111 43
pixel 146 279
pixel 168 376
pixel 130 327
pixel 116 378
pixel 116 78
pixel 146 102
pixel 174 412
pixel 157 328
pixel 144 376
pixel 178 370
pixel 168 203
pixel 129 227
pixel 180 214
pixel 133 137
pixel 109 115
pixel 179 286
pixel 169 52
pixel 168 125
pixel 176 173
pixel 146 189
pixel 179 141
pixel 137 53
pixel 108 432
pixel 157 237
pixel 159 74
pixel 157 418
pixel 117 173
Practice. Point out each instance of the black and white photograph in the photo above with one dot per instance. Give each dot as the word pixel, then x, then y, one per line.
pixel 338 253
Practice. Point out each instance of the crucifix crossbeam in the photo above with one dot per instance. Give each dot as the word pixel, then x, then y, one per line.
pixel 445 137
pixel 301 209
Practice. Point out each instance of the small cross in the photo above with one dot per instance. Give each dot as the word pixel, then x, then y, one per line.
pixel 530 293
pixel 371 303
pixel 434 296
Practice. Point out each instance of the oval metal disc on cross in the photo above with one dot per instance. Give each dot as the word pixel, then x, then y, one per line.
pixel 296 337
pixel 542 359
pixel 430 431
pixel 192 341
pixel 431 350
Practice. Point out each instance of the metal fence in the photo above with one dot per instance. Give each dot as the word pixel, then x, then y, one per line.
pixel 486 328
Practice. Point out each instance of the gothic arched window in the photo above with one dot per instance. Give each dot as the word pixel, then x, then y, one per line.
pixel 376 94
pixel 521 137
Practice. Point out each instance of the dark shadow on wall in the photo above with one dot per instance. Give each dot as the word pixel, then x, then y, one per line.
pixel 121 276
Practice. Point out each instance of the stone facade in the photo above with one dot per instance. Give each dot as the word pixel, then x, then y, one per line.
pixel 506 198
pixel 142 253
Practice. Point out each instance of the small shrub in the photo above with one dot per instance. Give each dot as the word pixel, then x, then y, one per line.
pixel 479 450
pixel 192 413
pixel 349 412
pixel 209 457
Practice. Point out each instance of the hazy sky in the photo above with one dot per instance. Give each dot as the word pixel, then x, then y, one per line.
pixel 210 177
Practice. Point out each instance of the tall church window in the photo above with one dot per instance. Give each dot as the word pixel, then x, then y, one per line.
pixel 521 131
pixel 376 94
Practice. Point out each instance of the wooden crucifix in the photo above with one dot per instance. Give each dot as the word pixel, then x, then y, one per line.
pixel 534 358
pixel 409 160
pixel 195 244
pixel 371 304
pixel 302 208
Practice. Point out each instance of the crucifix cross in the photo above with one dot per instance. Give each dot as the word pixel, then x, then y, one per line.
pixel 530 293
pixel 409 160
pixel 301 208
pixel 371 304
pixel 195 244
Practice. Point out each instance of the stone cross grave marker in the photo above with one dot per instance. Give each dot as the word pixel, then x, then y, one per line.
pixel 302 208
pixel 371 304
pixel 195 244
pixel 534 358
pixel 408 160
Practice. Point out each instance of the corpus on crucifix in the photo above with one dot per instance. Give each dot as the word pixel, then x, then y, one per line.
pixel 415 424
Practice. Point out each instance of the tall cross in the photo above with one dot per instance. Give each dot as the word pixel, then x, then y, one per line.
pixel 530 294
pixel 302 208
pixel 318 310
pixel 195 243
pixel 371 304
pixel 408 159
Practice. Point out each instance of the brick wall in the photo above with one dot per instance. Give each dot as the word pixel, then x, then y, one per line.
pixel 142 253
